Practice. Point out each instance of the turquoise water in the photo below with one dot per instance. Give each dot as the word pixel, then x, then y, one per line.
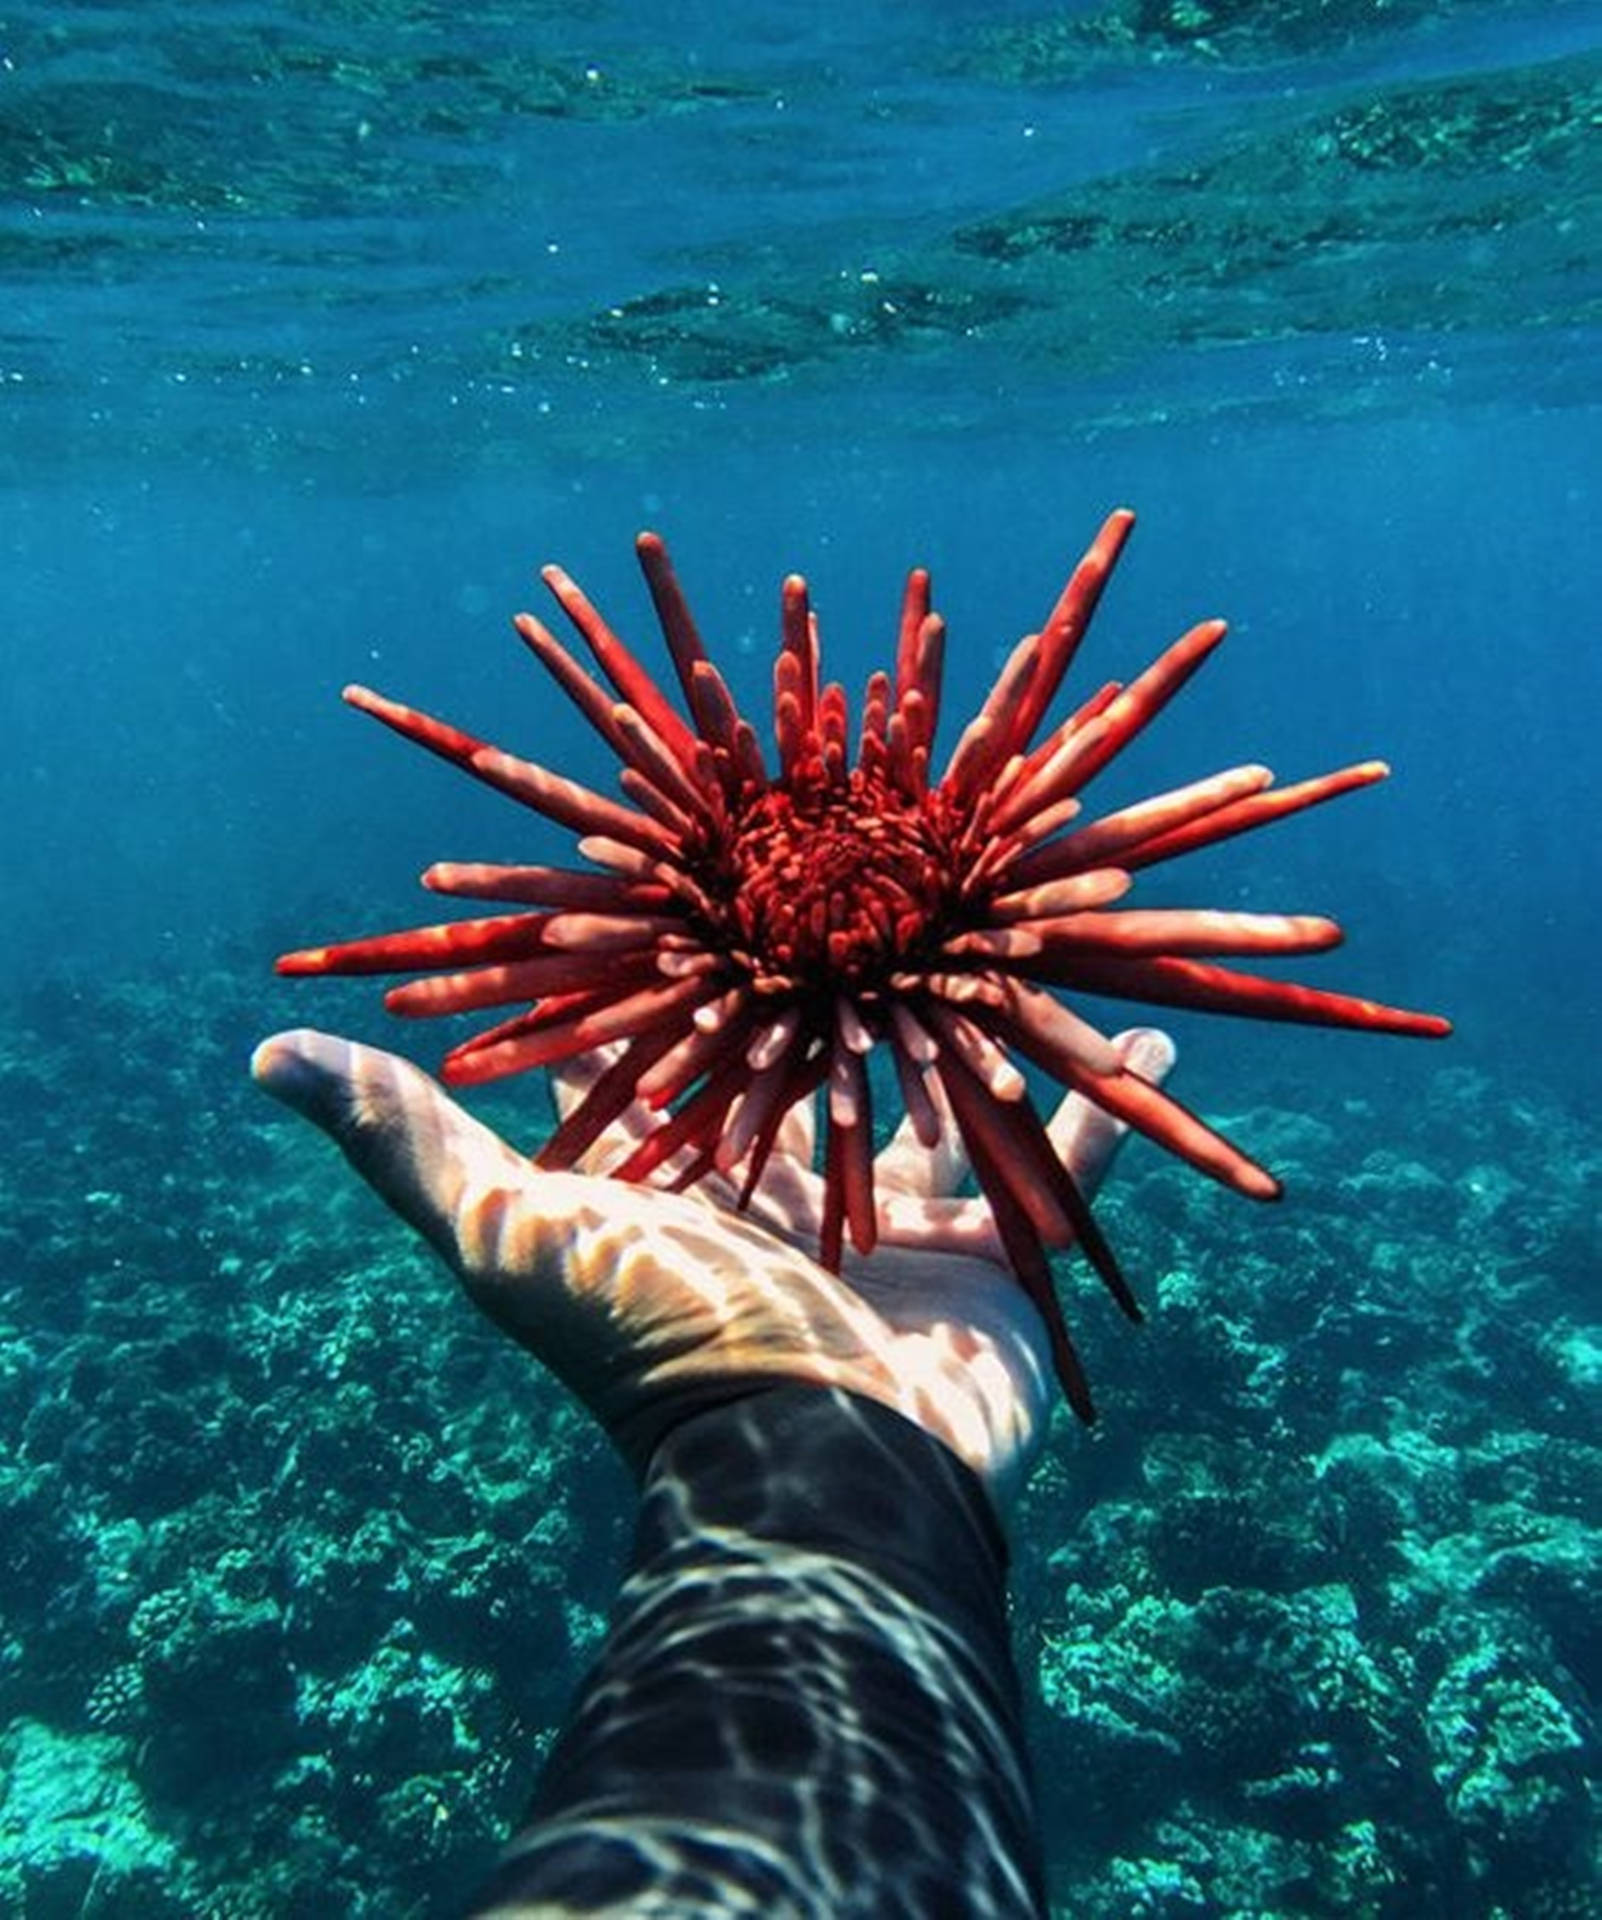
pixel 326 324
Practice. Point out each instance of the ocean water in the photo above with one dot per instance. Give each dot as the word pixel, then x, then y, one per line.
pixel 326 322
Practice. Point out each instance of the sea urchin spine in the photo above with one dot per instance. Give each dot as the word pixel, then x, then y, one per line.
pixel 748 938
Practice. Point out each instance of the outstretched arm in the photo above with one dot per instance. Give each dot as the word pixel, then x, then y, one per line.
pixel 806 1702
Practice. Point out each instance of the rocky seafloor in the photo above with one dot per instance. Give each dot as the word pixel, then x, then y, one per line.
pixel 298 1564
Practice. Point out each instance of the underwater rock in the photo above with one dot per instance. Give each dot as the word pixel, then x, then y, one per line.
pixel 75 1837
pixel 1508 1755
pixel 216 1684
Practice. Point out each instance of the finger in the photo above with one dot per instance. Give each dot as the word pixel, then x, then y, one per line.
pixel 1085 1136
pixel 787 1198
pixel 789 1202
pixel 908 1166
pixel 798 1133
pixel 571 1080
pixel 788 1195
pixel 435 1165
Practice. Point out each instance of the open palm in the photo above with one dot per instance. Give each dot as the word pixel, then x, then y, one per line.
pixel 651 1304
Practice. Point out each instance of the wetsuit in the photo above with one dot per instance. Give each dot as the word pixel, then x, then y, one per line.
pixel 806 1705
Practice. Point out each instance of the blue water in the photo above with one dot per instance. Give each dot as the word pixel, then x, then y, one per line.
pixel 325 325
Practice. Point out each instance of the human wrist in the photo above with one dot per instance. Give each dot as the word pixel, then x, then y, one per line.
pixel 816 1584
pixel 812 1469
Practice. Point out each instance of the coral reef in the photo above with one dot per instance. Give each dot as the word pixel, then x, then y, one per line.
pixel 300 1564
pixel 1304 178
pixel 1319 1640
pixel 1057 46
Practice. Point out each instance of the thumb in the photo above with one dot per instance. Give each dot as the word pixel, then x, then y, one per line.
pixel 430 1161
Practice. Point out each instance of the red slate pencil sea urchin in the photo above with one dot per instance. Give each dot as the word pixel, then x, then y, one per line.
pixel 749 937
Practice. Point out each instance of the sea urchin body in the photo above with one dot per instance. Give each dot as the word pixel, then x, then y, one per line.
pixel 746 938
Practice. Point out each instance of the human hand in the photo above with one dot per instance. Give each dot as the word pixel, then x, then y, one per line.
pixel 650 1304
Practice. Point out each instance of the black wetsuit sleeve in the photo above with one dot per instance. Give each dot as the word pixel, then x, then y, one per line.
pixel 806 1704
